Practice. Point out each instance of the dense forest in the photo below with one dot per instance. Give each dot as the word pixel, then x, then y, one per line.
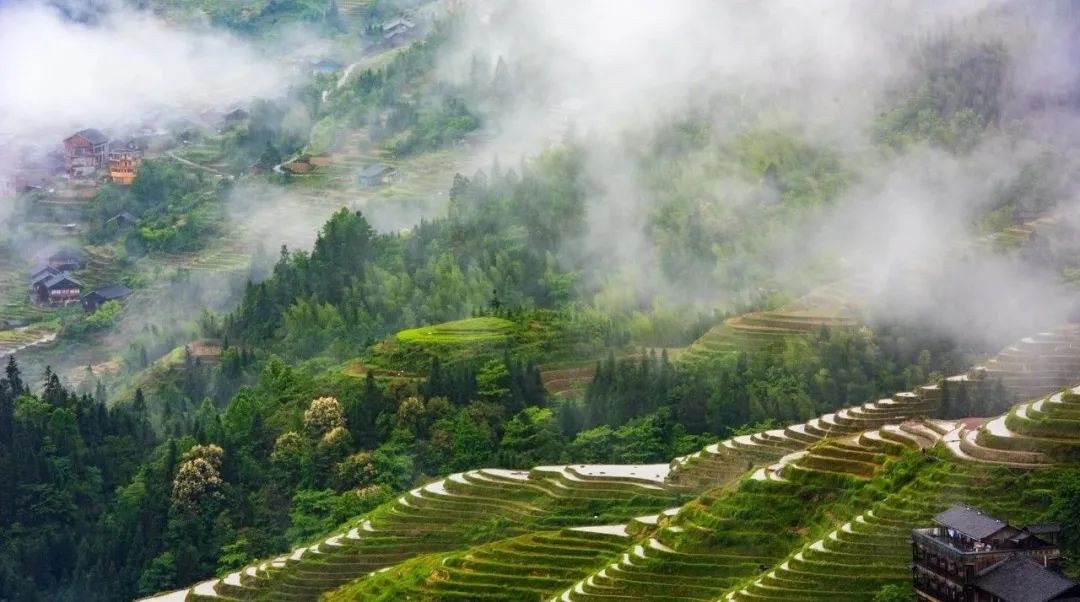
pixel 502 234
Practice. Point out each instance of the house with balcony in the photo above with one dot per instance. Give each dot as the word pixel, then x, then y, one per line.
pixel 969 556
pixel 125 159
pixel 85 152
pixel 57 289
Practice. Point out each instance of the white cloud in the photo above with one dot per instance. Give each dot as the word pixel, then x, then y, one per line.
pixel 58 74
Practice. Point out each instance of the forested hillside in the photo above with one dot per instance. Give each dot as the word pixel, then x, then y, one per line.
pixel 437 300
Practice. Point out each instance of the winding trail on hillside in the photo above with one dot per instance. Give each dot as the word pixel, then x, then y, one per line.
pixel 172 155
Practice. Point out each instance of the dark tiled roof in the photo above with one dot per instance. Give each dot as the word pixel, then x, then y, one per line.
pixel 55 279
pixel 123 145
pixel 41 271
pixel 396 23
pixel 124 215
pixel 1021 579
pixel 969 522
pixel 113 291
pixel 1043 528
pixel 92 135
pixel 372 171
pixel 66 253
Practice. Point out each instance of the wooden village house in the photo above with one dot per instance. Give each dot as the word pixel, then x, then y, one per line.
pixel 235 117
pixel 378 175
pixel 968 556
pixel 85 152
pixel 94 300
pixel 57 289
pixel 125 158
pixel 67 259
pixel 121 221
pixel 398 31
pixel 40 272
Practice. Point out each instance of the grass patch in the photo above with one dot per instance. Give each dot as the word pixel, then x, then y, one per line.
pixel 411 351
pixel 472 331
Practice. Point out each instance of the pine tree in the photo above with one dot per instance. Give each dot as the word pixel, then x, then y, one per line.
pixel 54 393
pixel 502 84
pixel 14 377
pixel 7 414
pixel 333 19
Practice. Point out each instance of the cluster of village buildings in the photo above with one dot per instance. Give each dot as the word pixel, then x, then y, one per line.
pixel 90 152
pixel 87 155
pixel 90 156
pixel 52 283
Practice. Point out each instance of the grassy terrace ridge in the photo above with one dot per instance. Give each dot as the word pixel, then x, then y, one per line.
pixel 424 176
pixel 1039 364
pixel 722 462
pixel 536 336
pixel 464 509
pixel 870 549
pixel 567 378
pixel 19 339
pixel 461 332
pixel 1039 355
pixel 521 568
pixel 833 306
pixel 1035 434
pixel 413 349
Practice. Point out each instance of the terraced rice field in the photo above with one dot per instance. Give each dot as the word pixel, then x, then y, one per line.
pixel 1015 237
pixel 860 456
pixel 723 462
pixel 412 350
pixel 353 10
pixel 567 379
pixel 1038 365
pixel 207 152
pixel 101 268
pixel 17 339
pixel 786 515
pixel 514 570
pixel 230 255
pixel 831 306
pixel 460 332
pixel 1034 434
pixel 23 324
pixel 445 515
pixel 854 561
pixel 424 178
pixel 572 378
pixel 15 306
pixel 702 550
pixel 787 532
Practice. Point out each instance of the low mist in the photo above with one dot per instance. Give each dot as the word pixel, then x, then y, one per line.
pixel 125 69
pixel 604 74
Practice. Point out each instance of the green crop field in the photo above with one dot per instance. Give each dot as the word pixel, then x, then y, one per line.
pixel 461 332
